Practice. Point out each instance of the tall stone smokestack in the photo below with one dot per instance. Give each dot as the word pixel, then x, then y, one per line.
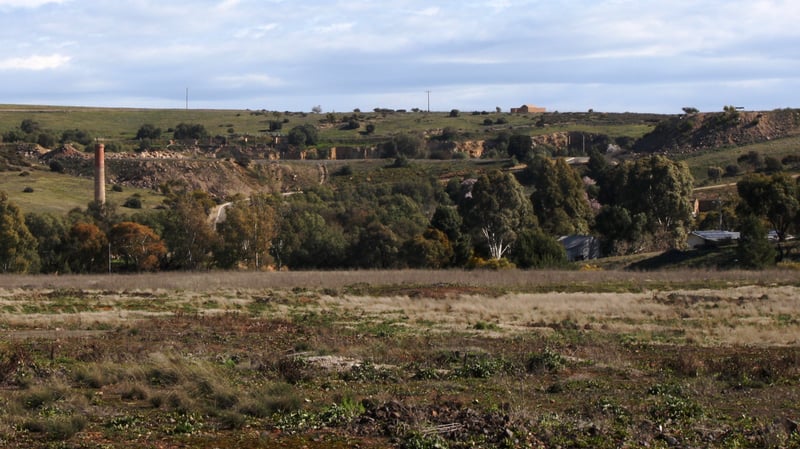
pixel 99 173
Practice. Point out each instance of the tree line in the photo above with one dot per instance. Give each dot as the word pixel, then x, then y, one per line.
pixel 493 219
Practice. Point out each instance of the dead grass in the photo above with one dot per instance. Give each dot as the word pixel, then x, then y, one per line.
pixel 553 358
pixel 513 280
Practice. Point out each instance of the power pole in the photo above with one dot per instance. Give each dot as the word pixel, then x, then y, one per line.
pixel 429 100
pixel 187 98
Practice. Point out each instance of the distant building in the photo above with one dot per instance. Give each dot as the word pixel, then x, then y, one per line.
pixel 526 109
pixel 698 239
pixel 706 205
pixel 580 247
pixel 576 160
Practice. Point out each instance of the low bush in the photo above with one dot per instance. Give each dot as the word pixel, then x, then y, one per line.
pixel 133 392
pixel 56 428
pixel 39 397
pixel 265 403
pixel 545 361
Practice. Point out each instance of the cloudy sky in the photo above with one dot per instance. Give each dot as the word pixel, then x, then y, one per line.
pixel 568 55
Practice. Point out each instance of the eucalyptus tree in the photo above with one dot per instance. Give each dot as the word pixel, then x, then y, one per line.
pixel 17 244
pixel 495 210
pixel 559 198
pixel 658 188
pixel 775 198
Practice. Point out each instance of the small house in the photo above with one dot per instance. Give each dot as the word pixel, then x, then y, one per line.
pixel 698 239
pixel 526 109
pixel 580 247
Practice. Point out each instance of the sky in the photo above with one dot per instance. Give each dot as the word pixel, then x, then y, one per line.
pixel 292 55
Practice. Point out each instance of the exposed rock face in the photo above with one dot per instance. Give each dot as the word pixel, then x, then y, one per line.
pixel 445 150
pixel 693 132
pixel 218 178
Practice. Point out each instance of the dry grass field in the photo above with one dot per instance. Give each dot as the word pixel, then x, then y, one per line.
pixel 401 359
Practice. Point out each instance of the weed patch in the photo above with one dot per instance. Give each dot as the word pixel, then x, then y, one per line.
pixel 57 429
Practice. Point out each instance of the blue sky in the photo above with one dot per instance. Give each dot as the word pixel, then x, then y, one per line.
pixel 570 55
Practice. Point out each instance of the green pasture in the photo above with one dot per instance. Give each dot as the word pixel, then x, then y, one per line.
pixel 121 124
pixel 700 162
pixel 59 193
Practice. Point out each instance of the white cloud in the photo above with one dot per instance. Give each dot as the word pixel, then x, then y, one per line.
pixel 256 32
pixel 27 3
pixel 429 12
pixel 462 59
pixel 35 63
pixel 249 80
pixel 227 5
pixel 345 54
pixel 336 28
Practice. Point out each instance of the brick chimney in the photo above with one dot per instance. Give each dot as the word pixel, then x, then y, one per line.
pixel 99 173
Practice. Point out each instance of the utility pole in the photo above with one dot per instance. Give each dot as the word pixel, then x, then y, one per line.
pixel 187 98
pixel 429 100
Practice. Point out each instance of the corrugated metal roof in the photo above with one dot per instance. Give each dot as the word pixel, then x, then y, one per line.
pixel 716 236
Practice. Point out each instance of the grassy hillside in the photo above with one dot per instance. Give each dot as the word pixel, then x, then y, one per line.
pixel 122 123
pixel 59 193
pixel 720 157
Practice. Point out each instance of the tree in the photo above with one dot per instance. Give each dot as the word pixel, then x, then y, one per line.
pixel 101 214
pixel 51 233
pixel 307 241
pixel 714 173
pixel 46 140
pixel 621 232
pixel 408 145
pixel 775 198
pixel 87 248
pixel 535 249
pixel 754 250
pixel 772 164
pixel 77 135
pixel 352 124
pixel 14 135
pixel 520 146
pixel 598 165
pixel 447 220
pixel 494 210
pixel 723 216
pixel 148 131
pixel 17 245
pixel 690 110
pixel 186 131
pixel 138 245
pixel 432 249
pixel 559 199
pixel 401 214
pixel 302 135
pixel 186 229
pixel 454 112
pixel 732 170
pixel 247 233
pixel 29 126
pixel 448 134
pixel 56 166
pixel 752 158
pixel 658 188
pixel 376 246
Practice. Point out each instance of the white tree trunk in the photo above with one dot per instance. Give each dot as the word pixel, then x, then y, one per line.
pixel 496 246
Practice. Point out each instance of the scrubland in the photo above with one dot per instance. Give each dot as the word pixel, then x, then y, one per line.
pixel 405 359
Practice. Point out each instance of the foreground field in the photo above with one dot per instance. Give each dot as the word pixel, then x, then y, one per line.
pixel 409 359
